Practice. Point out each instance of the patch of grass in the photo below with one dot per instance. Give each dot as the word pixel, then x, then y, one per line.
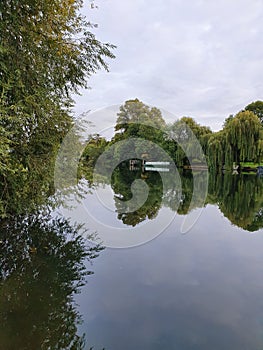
pixel 250 165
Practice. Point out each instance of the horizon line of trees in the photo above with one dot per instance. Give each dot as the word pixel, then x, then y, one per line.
pixel 185 141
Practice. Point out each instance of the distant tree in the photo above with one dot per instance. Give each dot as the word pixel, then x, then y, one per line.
pixel 93 150
pixel 239 141
pixel 257 108
pixel 137 120
pixel 194 137
pixel 216 150
pixel 243 135
pixel 136 112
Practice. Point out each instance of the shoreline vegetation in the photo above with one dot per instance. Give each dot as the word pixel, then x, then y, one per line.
pixel 140 130
pixel 48 51
pixel 238 146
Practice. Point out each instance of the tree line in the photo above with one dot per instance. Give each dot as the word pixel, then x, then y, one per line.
pixel 184 140
pixel 139 128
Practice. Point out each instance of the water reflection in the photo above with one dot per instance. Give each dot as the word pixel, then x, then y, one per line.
pixel 239 197
pixel 41 268
pixel 122 180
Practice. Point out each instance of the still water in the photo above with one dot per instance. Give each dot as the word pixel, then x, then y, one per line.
pixel 200 288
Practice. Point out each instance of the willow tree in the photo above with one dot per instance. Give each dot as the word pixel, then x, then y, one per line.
pixel 243 134
pixel 216 150
pixel 239 141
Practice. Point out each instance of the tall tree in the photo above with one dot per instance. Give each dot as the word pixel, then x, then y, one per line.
pixel 243 135
pixel 194 137
pixel 136 112
pixel 137 120
pixel 47 52
pixel 239 141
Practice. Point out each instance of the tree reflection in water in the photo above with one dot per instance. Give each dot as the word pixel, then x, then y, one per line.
pixel 42 267
pixel 239 197
pixel 122 180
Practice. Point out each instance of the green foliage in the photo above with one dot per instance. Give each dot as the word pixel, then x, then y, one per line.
pixel 47 52
pixel 4 151
pixel 242 134
pixel 216 149
pixel 228 119
pixel 122 180
pixel 257 108
pixel 42 266
pixel 240 198
pixel 239 141
pixel 136 112
pixel 136 119
pixel 95 147
pixel 142 128
pixel 191 138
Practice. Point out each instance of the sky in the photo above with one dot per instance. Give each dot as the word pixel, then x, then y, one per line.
pixel 198 58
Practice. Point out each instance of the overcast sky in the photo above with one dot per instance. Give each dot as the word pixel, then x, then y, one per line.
pixel 199 58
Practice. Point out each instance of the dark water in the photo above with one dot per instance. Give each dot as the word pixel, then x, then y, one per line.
pixel 200 289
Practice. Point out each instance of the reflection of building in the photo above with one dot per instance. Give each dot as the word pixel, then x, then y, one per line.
pixel 136 164
pixel 152 168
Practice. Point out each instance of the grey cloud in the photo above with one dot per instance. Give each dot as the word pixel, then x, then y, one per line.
pixel 203 58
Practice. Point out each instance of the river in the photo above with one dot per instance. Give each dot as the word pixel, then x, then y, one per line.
pixel 168 270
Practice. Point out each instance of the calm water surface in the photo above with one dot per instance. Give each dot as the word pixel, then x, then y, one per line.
pixel 199 290
pixel 202 289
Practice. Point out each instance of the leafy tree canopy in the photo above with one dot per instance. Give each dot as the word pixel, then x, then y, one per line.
pixel 47 52
pixel 135 111
pixel 257 108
